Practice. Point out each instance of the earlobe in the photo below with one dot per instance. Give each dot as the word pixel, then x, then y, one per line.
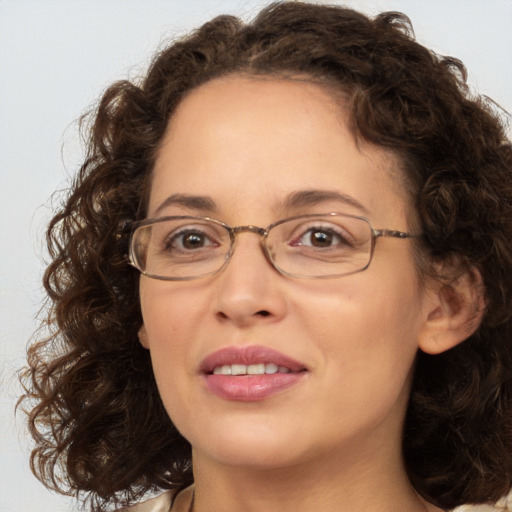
pixel 454 312
pixel 143 336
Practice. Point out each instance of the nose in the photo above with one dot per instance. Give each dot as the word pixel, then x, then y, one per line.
pixel 249 289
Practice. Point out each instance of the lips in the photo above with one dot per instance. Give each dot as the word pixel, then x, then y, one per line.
pixel 250 373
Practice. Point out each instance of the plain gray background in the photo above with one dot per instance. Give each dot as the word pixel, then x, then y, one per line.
pixel 56 56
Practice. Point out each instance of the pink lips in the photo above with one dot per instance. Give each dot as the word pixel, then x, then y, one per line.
pixel 250 388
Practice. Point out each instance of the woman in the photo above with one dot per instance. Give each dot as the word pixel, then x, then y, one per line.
pixel 315 310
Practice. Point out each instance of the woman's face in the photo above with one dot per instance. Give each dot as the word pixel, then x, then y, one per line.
pixel 243 151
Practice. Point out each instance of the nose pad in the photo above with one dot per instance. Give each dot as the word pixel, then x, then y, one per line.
pixel 262 234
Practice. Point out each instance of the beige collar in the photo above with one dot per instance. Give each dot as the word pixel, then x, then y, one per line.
pixel 183 501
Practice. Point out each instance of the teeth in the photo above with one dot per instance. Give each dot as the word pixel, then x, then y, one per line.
pixel 223 370
pixel 256 369
pixel 251 369
pixel 238 369
pixel 271 368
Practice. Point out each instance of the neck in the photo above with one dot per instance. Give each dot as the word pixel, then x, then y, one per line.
pixel 327 485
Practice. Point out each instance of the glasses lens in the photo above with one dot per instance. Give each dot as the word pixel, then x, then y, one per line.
pixel 321 246
pixel 180 248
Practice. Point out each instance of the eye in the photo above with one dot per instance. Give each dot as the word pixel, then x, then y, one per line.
pixel 189 239
pixel 318 238
pixel 321 237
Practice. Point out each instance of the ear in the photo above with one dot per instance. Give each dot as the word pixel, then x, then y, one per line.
pixel 454 312
pixel 143 336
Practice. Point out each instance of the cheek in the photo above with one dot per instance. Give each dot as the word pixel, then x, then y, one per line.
pixel 369 341
pixel 362 304
pixel 168 327
pixel 366 324
pixel 170 324
pixel 168 312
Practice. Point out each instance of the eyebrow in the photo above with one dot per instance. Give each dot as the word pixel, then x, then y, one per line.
pixel 314 197
pixel 188 201
pixel 299 199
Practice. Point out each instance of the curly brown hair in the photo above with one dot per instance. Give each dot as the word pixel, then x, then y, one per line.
pixel 97 418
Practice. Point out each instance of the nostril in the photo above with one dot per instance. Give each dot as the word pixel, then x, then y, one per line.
pixel 263 313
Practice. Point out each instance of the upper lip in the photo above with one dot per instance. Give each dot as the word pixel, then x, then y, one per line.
pixel 252 354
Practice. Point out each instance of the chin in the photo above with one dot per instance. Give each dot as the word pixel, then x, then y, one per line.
pixel 249 446
pixel 254 458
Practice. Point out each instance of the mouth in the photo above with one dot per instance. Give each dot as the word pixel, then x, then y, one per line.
pixel 249 374
pixel 250 369
pixel 250 360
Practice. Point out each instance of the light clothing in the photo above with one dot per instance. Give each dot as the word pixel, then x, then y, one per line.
pixel 504 505
pixel 162 503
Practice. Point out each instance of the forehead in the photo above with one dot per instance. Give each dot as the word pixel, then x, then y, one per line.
pixel 256 140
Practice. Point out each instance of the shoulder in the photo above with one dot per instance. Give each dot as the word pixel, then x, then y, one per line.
pixel 164 502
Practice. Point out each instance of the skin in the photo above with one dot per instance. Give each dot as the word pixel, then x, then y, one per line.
pixel 332 442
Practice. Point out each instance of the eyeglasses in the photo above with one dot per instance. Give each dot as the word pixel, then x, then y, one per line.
pixel 306 246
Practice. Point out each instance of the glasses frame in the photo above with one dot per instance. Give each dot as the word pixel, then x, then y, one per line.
pixel 263 234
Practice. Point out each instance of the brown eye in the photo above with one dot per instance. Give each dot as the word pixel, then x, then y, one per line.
pixel 193 241
pixel 189 240
pixel 321 239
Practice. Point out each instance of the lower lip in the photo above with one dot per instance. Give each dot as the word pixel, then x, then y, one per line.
pixel 251 388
